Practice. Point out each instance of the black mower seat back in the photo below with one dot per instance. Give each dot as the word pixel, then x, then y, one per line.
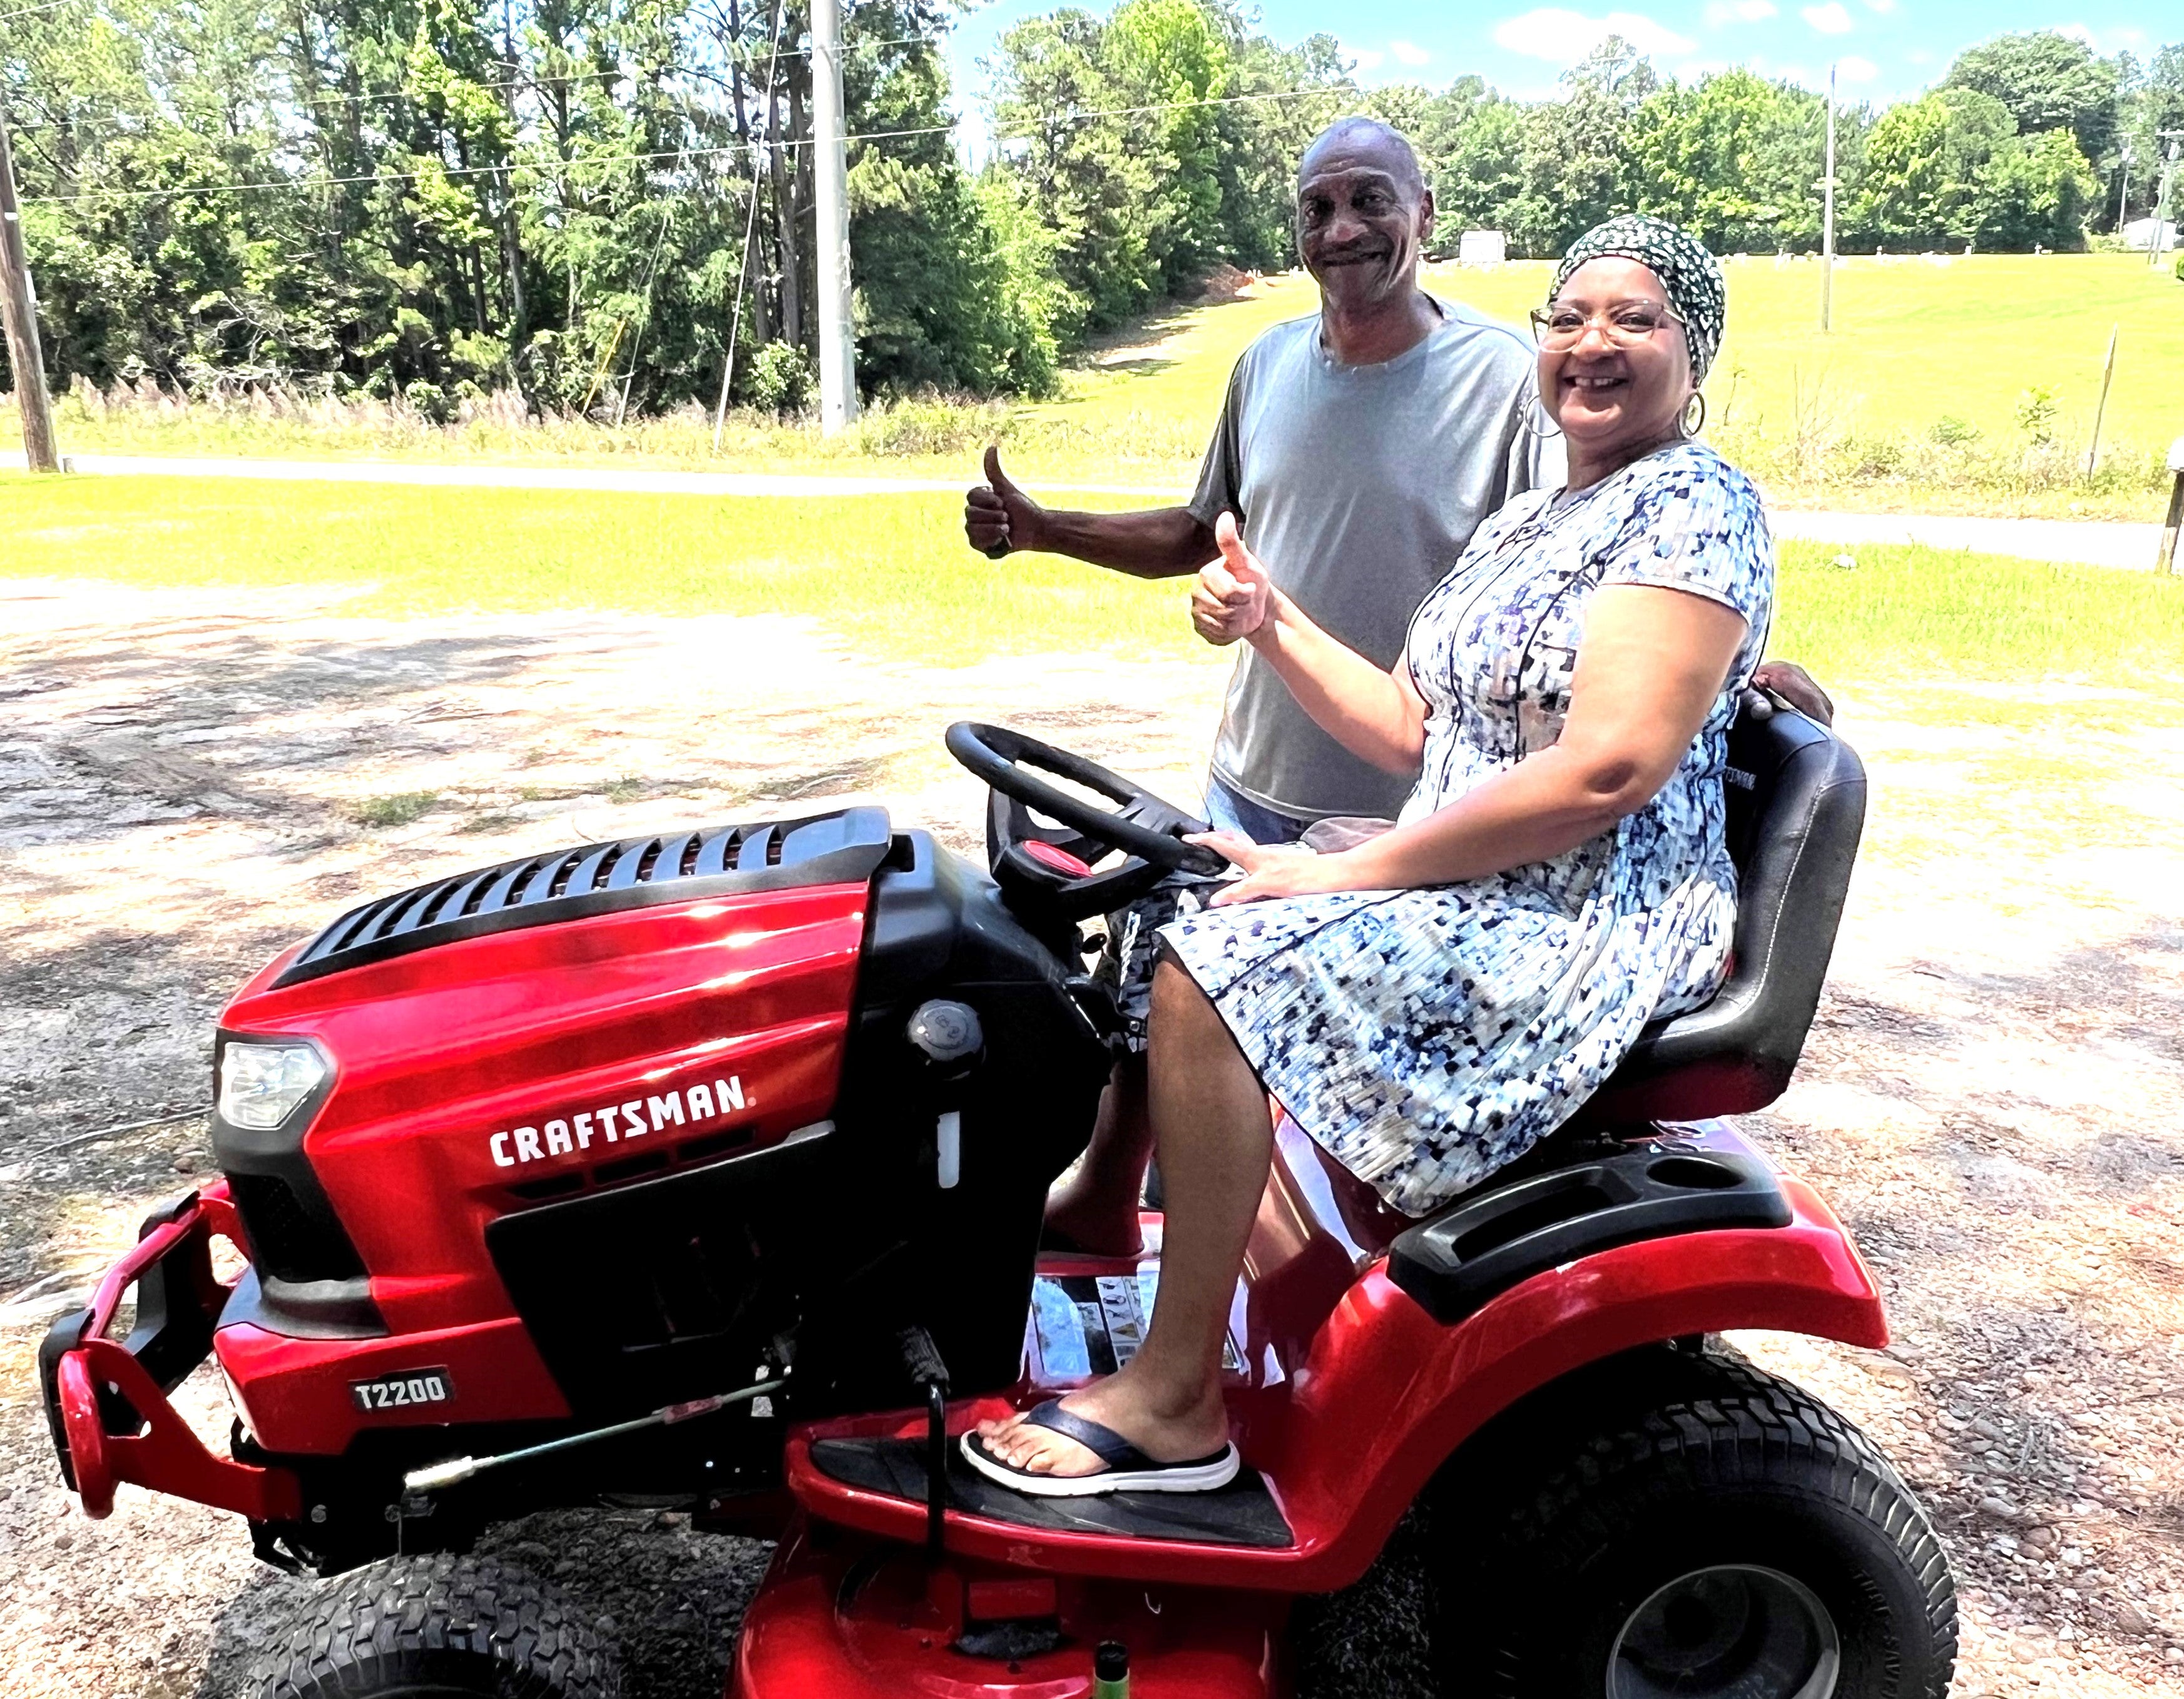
pixel 1796 802
pixel 1797 805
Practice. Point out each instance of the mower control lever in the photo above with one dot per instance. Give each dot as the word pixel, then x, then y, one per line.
pixel 922 1358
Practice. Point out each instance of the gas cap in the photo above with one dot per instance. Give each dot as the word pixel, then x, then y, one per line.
pixel 946 1031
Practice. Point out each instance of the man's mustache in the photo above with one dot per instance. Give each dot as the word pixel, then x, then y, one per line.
pixel 1352 256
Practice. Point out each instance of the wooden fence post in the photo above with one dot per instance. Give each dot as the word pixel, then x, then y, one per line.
pixel 2167 560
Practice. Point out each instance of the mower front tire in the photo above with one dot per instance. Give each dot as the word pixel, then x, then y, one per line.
pixel 440 1627
pixel 1734 1537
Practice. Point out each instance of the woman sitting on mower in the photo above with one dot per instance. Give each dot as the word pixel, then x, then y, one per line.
pixel 1429 1003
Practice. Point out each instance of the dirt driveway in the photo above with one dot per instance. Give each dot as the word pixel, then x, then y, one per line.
pixel 1991 1096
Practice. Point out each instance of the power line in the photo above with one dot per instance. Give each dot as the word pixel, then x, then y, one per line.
pixel 539 81
pixel 750 225
pixel 559 167
pixel 33 11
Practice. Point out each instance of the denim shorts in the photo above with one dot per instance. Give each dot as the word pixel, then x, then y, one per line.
pixel 1228 811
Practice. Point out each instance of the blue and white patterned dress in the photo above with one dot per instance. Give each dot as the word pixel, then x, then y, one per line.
pixel 1425 1037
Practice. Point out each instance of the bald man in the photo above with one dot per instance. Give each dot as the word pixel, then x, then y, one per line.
pixel 1358 449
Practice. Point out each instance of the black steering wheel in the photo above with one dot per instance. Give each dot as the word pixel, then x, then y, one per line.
pixel 1046 870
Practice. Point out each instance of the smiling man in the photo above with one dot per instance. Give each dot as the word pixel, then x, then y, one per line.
pixel 1359 448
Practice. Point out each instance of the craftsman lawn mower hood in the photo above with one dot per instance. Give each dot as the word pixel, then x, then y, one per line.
pixel 535 1029
pixel 536 1085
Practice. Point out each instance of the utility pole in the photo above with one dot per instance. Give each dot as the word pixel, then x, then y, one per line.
pixel 2123 194
pixel 19 306
pixel 1828 219
pixel 2158 244
pixel 838 352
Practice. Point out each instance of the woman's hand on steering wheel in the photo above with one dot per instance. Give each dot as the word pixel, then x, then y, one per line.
pixel 1270 870
pixel 1233 597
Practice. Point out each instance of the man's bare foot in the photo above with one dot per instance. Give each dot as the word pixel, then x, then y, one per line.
pixel 1099 1221
pixel 1119 1403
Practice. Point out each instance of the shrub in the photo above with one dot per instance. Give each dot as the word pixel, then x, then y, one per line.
pixel 1953 432
pixel 778 379
pixel 929 424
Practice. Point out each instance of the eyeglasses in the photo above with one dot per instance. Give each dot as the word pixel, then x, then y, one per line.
pixel 1624 326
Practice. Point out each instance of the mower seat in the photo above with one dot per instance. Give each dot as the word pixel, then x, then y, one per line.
pixel 1796 803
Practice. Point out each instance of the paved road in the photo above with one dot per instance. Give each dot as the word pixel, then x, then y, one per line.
pixel 2092 543
pixel 462 474
pixel 2096 543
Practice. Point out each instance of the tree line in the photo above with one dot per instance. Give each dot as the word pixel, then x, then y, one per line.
pixel 583 202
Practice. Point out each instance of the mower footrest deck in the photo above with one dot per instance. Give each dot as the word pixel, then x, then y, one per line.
pixel 1242 1513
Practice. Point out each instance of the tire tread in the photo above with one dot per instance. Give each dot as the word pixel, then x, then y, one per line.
pixel 375 1626
pixel 1715 1420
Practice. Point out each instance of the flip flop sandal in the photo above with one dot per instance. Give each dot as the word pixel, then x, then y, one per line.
pixel 1129 1469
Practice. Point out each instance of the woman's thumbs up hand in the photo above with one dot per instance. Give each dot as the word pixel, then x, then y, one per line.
pixel 1233 596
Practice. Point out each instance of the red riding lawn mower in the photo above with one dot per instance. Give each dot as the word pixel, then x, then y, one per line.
pixel 708 1168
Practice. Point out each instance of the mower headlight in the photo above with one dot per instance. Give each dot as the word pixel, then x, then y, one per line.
pixel 261 1084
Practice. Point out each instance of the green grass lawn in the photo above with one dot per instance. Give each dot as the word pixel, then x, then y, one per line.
pixel 1913 341
pixel 893 576
pixel 1847 419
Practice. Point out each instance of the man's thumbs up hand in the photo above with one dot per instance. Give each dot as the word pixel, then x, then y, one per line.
pixel 998 517
pixel 1234 595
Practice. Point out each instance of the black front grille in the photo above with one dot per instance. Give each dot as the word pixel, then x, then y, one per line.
pixel 285 1242
pixel 599 878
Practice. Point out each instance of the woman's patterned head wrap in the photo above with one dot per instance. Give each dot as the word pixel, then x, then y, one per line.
pixel 1690 276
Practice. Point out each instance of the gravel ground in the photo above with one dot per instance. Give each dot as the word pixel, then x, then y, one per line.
pixel 1990 1097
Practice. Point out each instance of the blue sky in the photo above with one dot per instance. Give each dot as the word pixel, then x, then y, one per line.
pixel 1883 49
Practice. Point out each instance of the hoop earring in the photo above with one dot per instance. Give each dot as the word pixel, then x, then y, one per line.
pixel 1685 423
pixel 1534 405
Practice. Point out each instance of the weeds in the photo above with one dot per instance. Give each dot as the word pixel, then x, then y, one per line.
pixel 1906 467
pixel 276 419
pixel 398 809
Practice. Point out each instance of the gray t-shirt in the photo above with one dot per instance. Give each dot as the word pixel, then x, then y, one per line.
pixel 1358 486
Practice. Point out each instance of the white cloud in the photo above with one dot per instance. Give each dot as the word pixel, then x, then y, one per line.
pixel 1563 36
pixel 1408 52
pixel 1721 12
pixel 1829 20
pixel 1852 68
pixel 2103 41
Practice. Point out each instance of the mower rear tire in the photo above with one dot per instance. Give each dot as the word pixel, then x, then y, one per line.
pixel 440 1627
pixel 1734 1537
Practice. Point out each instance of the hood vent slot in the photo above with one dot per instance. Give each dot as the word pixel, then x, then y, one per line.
pixel 601 878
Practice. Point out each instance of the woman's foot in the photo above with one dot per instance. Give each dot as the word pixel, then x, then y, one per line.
pixel 1121 1403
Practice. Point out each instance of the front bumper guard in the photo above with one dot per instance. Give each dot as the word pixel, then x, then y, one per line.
pixel 106 1399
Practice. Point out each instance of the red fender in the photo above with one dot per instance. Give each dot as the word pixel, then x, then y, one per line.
pixel 1384 1393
